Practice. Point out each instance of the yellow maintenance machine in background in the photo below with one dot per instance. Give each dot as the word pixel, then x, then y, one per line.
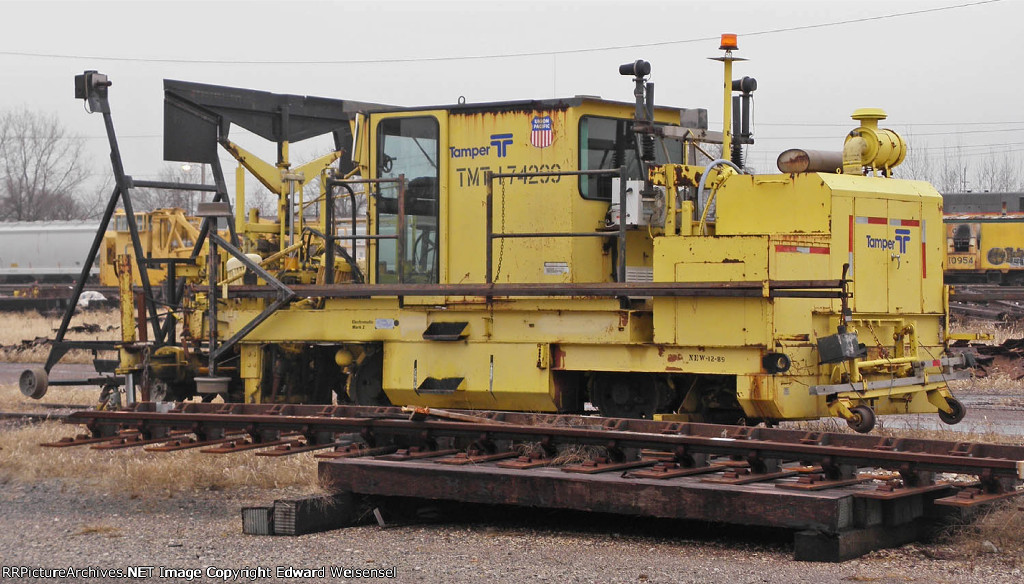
pixel 542 255
pixel 165 233
pixel 985 248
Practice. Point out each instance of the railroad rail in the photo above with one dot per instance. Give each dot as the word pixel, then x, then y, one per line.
pixel 33 416
pixel 424 428
pixel 844 493
pixel 987 301
pixel 984 292
pixel 14 297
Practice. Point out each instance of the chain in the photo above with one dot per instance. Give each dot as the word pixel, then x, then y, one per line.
pixel 501 244
pixel 882 351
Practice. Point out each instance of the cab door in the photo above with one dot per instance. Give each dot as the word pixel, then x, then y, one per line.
pixel 906 264
pixel 409 144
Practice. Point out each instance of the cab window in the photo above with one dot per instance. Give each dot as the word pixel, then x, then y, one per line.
pixel 608 143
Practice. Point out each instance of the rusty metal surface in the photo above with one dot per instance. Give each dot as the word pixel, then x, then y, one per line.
pixel 668 470
pixel 599 465
pixel 460 458
pixel 295 447
pixel 803 160
pixel 356 451
pixel 818 482
pixel 188 443
pixel 744 476
pixel 971 497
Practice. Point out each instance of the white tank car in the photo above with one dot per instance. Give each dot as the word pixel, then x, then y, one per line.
pixel 45 251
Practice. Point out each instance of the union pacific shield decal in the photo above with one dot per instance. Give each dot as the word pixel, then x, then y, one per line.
pixel 541 134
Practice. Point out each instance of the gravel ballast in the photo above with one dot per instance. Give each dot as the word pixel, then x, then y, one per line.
pixel 62 524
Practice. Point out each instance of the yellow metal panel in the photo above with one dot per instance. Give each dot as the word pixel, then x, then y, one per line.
pixel 793 321
pixel 722 322
pixel 251 369
pixel 906 264
pixel 932 245
pixel 500 142
pixel 664 320
pixel 886 270
pixel 779 397
pixel 773 204
pixel 871 258
pixel 477 143
pixel 710 321
pixel 801 257
pixel 496 375
pixel 705 259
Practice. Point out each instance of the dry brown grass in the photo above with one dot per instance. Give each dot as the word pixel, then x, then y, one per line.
pixel 1000 331
pixel 105 530
pixel 1001 524
pixel 16 327
pixel 996 381
pixel 141 473
pixel 12 400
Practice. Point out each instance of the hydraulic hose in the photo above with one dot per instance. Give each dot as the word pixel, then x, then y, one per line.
pixel 711 199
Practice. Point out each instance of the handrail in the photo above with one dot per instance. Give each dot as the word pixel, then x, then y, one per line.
pixel 490 177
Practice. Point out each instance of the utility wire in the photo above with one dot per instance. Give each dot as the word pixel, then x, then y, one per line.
pixel 496 55
pixel 916 134
pixel 895 125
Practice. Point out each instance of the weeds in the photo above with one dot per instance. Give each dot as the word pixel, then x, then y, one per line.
pixel 998 528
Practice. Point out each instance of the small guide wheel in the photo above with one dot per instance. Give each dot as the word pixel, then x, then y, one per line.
pixel 863 420
pixel 33 382
pixel 958 413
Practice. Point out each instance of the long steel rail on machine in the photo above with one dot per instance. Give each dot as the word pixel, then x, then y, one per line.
pixel 998 467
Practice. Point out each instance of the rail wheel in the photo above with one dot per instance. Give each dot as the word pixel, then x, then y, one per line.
pixel 366 384
pixel 863 420
pixel 624 396
pixel 33 383
pixel 958 413
pixel 160 391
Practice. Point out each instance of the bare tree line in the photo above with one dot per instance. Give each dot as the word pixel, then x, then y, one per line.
pixel 42 170
pixel 957 171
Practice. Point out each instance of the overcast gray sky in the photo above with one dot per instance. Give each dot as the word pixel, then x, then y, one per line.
pixel 946 77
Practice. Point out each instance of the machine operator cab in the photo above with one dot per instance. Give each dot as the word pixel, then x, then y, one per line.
pixel 444 155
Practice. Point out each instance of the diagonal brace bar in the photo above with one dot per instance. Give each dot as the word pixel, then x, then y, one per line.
pixel 284 295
